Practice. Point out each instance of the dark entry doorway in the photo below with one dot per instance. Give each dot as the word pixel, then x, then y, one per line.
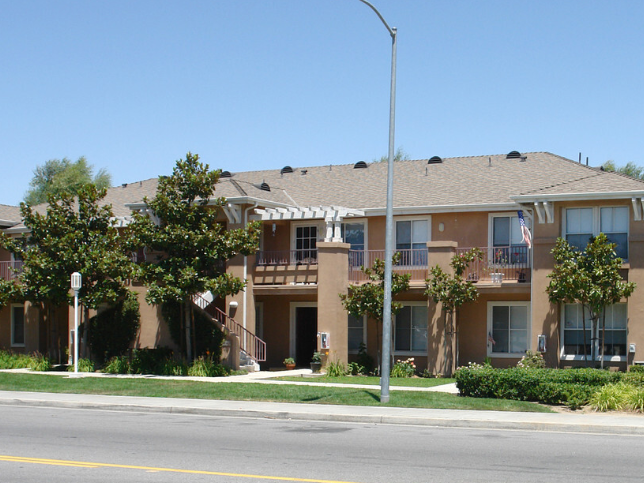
pixel 306 334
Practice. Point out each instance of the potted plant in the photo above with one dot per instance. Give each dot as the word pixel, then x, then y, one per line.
pixel 521 276
pixel 316 362
pixel 289 362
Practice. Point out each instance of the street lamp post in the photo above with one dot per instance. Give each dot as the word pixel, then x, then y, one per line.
pixel 389 221
pixel 76 282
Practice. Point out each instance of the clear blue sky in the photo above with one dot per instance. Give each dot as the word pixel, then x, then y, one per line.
pixel 259 84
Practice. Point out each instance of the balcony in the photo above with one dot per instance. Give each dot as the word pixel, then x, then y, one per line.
pixel 286 267
pixel 10 270
pixel 412 261
pixel 510 263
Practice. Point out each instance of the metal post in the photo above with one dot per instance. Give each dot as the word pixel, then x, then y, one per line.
pixel 76 283
pixel 76 331
pixel 389 221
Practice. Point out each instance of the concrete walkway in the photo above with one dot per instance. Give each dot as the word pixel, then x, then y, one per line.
pixel 605 423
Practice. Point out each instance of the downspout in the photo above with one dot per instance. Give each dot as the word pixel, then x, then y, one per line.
pixel 244 301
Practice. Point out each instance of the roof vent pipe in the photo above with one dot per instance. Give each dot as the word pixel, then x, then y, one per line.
pixel 586 160
pixel 489 162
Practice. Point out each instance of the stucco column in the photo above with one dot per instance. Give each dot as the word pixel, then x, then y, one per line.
pixel 333 280
pixel 441 346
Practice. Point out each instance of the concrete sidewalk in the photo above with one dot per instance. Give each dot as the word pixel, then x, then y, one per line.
pixel 605 423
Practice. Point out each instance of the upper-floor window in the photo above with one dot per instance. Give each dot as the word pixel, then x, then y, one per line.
pixel 508 245
pixel 411 241
pixel 306 239
pixel 354 234
pixel 583 223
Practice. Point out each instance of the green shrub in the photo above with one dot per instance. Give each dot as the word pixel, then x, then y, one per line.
pixel 40 363
pixel 406 368
pixel 638 369
pixel 635 399
pixel 336 369
pixel 532 360
pixel 112 330
pixel 117 365
pixel 84 365
pixel 356 369
pixel 149 361
pixel 9 360
pixel 573 387
pixel 364 359
pixel 205 367
pixel 611 397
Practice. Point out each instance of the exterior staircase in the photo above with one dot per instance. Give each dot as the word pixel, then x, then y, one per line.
pixel 252 349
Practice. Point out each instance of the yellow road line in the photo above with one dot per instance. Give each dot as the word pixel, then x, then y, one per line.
pixel 85 464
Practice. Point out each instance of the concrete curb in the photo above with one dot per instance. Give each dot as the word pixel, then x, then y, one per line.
pixel 577 423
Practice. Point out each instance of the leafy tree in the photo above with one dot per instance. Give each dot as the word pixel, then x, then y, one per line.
pixel 630 169
pixel 74 235
pixel 62 175
pixel 369 298
pixel 452 290
pixel 181 224
pixel 591 278
pixel 112 330
pixel 399 155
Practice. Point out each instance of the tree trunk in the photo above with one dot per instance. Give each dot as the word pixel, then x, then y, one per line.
pixel 603 336
pixel 583 324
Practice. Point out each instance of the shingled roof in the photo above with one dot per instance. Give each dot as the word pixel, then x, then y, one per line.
pixel 9 215
pixel 473 182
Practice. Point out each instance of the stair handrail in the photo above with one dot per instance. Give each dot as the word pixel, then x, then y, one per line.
pixel 250 344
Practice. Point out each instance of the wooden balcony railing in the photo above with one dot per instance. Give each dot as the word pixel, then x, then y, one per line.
pixel 10 270
pixel 288 257
pixel 511 262
pixel 412 261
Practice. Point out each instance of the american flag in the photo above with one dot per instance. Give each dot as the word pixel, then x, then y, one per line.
pixel 527 238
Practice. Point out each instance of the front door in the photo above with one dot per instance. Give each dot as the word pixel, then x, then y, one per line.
pixel 306 334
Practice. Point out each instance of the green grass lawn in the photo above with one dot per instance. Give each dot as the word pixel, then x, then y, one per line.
pixel 252 392
pixel 372 381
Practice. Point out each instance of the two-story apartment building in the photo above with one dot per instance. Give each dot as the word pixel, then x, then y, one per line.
pixel 321 223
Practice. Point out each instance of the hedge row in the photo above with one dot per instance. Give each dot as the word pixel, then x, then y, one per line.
pixel 572 387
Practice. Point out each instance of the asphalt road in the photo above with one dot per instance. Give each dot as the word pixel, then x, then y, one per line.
pixel 68 445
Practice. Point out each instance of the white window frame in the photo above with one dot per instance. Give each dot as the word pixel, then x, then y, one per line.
pixel 365 223
pixel 507 355
pixel 393 332
pixel 24 326
pixel 490 238
pixel 595 332
pixel 298 224
pixel 596 212
pixel 364 333
pixel 428 219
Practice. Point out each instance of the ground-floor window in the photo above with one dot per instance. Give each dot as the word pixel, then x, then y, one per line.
pixel 18 325
pixel 574 317
pixel 356 333
pixel 410 333
pixel 508 328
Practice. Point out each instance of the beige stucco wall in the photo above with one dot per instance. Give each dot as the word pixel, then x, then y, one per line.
pixel 333 280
